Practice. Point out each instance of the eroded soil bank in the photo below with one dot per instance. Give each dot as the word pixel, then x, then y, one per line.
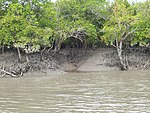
pixel 102 59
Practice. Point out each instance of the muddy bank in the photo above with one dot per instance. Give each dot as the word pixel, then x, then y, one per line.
pixel 48 64
pixel 106 59
pixel 103 59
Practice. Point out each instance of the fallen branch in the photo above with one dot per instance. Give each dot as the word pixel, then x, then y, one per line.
pixel 8 73
pixel 146 64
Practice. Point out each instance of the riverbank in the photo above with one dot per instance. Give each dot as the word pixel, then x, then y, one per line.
pixel 83 60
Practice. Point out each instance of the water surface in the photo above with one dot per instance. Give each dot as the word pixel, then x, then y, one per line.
pixel 104 92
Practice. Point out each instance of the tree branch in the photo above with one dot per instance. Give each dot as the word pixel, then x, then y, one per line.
pixel 128 34
pixel 76 37
pixel 114 45
pixel 8 73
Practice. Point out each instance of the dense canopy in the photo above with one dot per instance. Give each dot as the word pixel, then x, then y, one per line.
pixel 33 25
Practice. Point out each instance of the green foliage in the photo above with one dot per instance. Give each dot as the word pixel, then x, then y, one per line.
pixel 17 30
pixel 36 24
pixel 79 15
pixel 120 24
pixel 142 35
pixel 32 38
pixel 47 16
pixel 11 24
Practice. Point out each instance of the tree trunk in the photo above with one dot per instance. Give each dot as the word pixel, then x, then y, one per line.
pixel 119 51
pixel 3 49
pixel 41 58
pixel 122 64
pixel 27 58
pixel 57 46
pixel 19 54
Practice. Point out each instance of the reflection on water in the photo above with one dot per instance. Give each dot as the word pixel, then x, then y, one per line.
pixel 105 92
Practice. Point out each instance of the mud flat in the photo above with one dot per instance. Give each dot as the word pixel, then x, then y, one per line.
pixel 68 60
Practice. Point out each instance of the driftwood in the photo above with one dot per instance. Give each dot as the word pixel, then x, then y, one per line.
pixel 8 73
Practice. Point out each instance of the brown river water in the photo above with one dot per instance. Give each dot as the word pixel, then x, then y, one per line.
pixel 103 92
